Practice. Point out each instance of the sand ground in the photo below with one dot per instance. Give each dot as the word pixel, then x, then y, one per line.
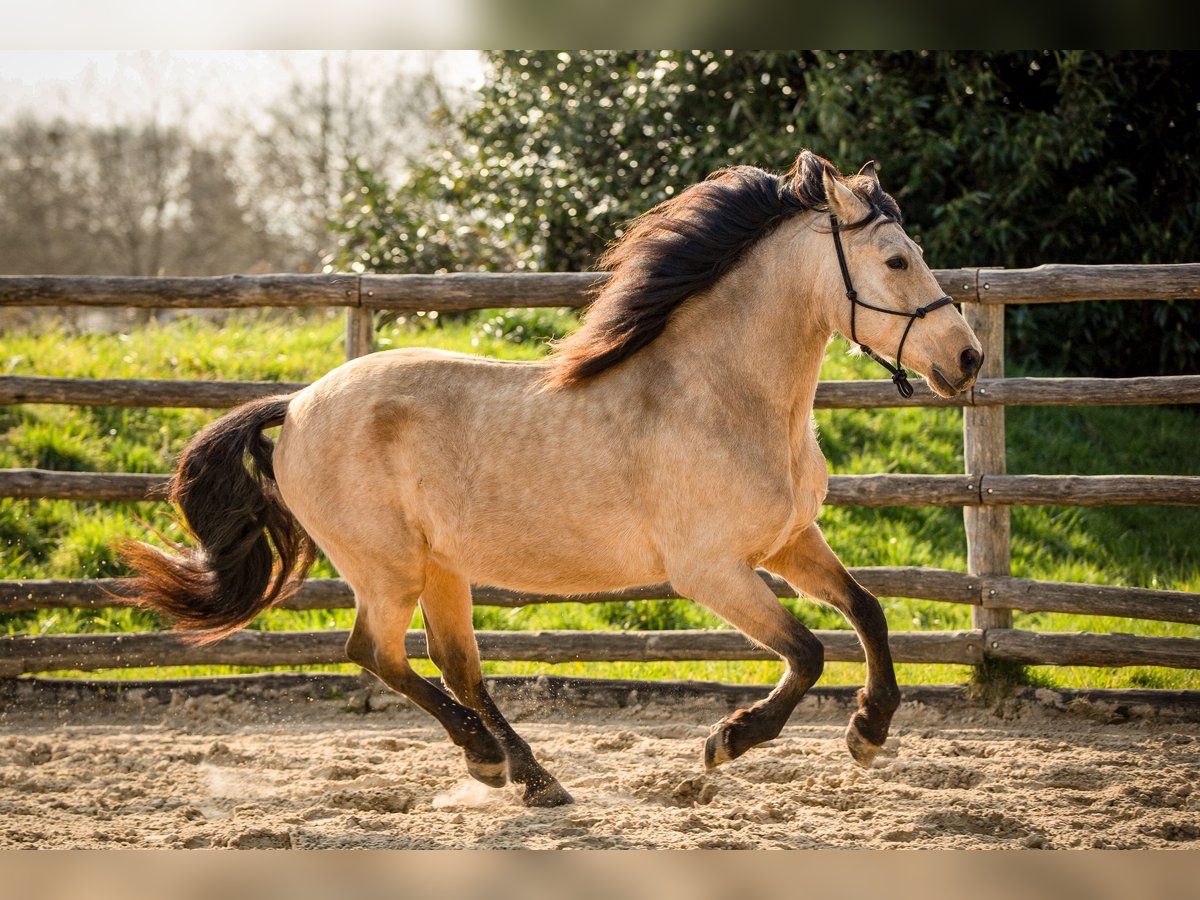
pixel 366 770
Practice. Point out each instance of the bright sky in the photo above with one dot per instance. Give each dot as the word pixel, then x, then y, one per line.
pixel 107 86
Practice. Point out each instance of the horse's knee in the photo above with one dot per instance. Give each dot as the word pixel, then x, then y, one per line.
pixel 806 657
pixel 863 608
pixel 883 698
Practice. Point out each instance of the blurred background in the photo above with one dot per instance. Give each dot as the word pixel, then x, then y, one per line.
pixel 204 163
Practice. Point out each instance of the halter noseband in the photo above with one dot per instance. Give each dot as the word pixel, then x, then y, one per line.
pixel 899 376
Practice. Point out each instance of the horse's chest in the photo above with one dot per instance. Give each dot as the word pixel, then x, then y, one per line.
pixel 809 483
pixel 772 508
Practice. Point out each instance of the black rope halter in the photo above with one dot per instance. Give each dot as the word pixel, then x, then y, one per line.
pixel 899 376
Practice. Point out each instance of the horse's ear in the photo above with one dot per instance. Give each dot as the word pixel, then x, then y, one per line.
pixel 843 202
pixel 869 171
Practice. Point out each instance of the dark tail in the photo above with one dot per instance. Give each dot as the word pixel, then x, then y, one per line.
pixel 250 554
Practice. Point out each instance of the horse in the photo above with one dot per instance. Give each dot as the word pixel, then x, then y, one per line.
pixel 670 438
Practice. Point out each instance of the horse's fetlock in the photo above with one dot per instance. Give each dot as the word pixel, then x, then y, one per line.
pixel 887 699
pixel 737 733
pixel 484 748
pixel 486 767
pixel 879 701
pixel 871 727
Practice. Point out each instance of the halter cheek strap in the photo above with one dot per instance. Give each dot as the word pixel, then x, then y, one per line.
pixel 899 376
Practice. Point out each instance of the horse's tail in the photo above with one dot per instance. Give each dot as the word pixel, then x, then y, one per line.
pixel 251 552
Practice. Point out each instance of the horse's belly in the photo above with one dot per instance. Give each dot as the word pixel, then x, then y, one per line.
pixel 567 547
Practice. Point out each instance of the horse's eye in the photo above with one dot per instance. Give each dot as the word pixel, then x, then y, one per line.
pixel 897 262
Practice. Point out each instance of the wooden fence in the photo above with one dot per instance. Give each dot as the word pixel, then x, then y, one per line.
pixel 985 491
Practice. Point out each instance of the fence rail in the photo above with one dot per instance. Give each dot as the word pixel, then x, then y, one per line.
pixel 873 394
pixel 84 652
pixel 985 491
pixel 484 290
pixel 943 585
pixel 844 490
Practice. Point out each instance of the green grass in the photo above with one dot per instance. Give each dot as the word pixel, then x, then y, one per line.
pixel 1141 546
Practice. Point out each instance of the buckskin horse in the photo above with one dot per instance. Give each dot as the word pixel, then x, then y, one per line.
pixel 669 438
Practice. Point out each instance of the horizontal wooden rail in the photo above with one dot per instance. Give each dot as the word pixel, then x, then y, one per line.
pixel 471 290
pixel 1086 391
pixel 1040 648
pixel 51 485
pixel 1090 490
pixel 221 292
pixel 994 591
pixel 131 392
pixel 844 490
pixel 873 394
pixel 478 290
pixel 21 655
pixel 333 593
pixel 1057 283
pixel 1030 595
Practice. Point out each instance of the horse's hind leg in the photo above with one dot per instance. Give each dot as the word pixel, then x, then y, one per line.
pixel 377 644
pixel 446 604
pixel 740 597
pixel 810 566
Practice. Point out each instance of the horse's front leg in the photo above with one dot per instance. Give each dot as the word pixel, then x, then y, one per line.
pixel 810 566
pixel 735 593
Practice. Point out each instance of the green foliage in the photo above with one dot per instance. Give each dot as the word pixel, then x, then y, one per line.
pixel 518 326
pixel 414 228
pixel 655 615
pixel 999 158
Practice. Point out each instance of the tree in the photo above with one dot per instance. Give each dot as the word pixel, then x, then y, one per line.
pixel 301 162
pixel 139 199
pixel 998 158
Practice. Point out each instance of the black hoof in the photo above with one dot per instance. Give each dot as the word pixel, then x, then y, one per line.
pixel 546 794
pixel 862 750
pixel 716 748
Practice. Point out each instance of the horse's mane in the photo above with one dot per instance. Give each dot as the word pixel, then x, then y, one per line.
pixel 683 246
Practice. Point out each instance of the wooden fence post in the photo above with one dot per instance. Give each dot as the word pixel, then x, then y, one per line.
pixel 360 331
pixel 989 550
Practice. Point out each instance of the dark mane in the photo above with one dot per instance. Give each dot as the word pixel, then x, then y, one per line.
pixel 684 246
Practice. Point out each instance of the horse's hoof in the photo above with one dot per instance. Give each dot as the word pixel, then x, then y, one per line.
pixel 493 774
pixel 862 750
pixel 715 749
pixel 547 794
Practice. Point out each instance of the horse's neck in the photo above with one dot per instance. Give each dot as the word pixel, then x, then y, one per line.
pixel 761 329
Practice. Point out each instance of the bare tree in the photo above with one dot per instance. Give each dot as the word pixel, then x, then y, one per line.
pixel 124 200
pixel 152 195
pixel 299 158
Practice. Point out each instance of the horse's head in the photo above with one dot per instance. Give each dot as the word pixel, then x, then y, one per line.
pixel 884 268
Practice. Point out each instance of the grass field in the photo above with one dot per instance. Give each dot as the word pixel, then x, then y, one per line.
pixel 1141 546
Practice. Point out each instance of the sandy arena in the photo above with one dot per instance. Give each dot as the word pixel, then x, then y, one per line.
pixel 279 767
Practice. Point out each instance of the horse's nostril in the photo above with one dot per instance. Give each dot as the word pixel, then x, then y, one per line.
pixel 971 360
